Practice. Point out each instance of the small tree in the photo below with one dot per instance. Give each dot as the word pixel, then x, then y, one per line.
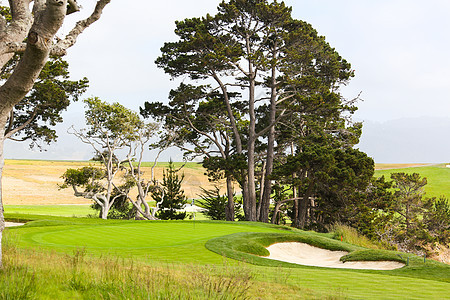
pixel 110 128
pixel 88 182
pixel 171 196
pixel 437 220
pixel 409 203
pixel 136 149
pixel 214 203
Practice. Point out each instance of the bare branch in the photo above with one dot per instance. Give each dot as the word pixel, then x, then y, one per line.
pixel 10 131
pixel 71 38
pixel 72 7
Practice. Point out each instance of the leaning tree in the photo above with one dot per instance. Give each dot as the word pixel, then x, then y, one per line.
pixel 31 31
pixel 109 129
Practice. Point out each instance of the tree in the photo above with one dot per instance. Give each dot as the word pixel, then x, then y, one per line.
pixel 255 49
pixel 214 203
pixel 110 128
pixel 437 219
pixel 196 122
pixel 134 174
pixel 32 118
pixel 409 204
pixel 31 31
pixel 171 197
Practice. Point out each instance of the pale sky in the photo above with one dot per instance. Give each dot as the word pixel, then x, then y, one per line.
pixel 398 48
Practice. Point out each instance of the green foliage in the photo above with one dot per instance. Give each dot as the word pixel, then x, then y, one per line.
pixel 409 204
pixel 111 121
pixel 85 177
pixel 436 220
pixel 171 197
pixel 214 203
pixel 33 117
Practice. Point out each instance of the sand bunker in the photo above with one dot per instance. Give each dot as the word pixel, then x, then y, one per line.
pixel 11 224
pixel 304 254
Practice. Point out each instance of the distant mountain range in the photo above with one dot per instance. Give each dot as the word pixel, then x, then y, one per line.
pixel 407 140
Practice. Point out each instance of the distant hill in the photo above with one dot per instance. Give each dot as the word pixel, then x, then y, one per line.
pixel 407 140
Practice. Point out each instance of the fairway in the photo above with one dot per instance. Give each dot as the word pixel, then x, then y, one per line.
pixel 438 177
pixel 161 241
pixel 52 210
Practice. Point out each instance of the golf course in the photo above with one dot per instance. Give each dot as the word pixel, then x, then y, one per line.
pixel 59 253
pixel 216 150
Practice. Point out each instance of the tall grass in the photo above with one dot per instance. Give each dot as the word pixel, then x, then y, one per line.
pixel 350 235
pixel 45 275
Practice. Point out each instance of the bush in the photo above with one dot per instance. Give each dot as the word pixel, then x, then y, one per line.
pixel 214 203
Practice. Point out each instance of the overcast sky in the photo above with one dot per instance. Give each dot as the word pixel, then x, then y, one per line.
pixel 398 48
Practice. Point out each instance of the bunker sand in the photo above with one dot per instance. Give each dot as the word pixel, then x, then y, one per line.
pixel 304 254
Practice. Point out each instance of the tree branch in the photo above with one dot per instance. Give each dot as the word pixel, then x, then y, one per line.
pixel 71 38
pixel 10 131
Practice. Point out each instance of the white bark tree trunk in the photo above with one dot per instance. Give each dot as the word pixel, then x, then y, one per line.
pixel 40 27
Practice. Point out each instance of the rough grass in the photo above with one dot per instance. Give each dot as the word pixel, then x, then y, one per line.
pixel 350 235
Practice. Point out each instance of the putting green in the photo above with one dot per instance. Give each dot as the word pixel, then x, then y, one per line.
pixel 162 241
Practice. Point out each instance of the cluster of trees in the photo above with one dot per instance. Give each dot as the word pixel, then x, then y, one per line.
pixel 409 220
pixel 261 104
pixel 264 90
pixel 113 131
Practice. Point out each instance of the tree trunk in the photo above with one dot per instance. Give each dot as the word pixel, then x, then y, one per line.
pixel 275 213
pixel 250 214
pixel 2 162
pixel 270 148
pixel 39 27
pixel 230 207
pixel 294 195
pixel 303 206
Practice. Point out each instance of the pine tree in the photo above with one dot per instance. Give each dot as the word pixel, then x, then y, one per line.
pixel 173 196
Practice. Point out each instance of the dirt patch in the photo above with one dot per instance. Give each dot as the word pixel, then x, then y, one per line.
pixel 12 224
pixel 304 254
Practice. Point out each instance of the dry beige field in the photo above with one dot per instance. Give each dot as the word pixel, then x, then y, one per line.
pixel 397 166
pixel 36 182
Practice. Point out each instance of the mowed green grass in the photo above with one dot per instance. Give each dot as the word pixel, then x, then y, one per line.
pixel 173 242
pixel 438 178
pixel 52 210
pixel 182 243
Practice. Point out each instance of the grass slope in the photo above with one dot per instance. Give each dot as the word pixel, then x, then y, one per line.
pixel 438 177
